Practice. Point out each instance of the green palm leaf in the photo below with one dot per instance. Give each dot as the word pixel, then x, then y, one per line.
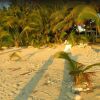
pixel 90 66
pixel 65 56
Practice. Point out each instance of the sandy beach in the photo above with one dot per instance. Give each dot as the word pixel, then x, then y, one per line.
pixel 36 76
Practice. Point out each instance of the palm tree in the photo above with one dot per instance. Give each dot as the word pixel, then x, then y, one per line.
pixel 3 35
pixel 79 15
pixel 78 71
pixel 39 23
pixel 89 13
pixel 13 21
pixel 56 19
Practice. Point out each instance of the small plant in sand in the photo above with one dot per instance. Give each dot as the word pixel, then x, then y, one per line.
pixel 78 71
pixel 15 56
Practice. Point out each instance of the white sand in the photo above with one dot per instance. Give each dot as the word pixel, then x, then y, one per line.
pixel 42 77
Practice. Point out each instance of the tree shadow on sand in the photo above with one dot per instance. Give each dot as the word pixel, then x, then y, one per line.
pixel 32 54
pixel 66 92
pixel 27 90
pixel 66 88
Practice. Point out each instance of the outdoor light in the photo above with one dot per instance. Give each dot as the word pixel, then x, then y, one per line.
pixel 80 28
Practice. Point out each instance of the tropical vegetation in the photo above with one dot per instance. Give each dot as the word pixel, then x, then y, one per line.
pixel 40 24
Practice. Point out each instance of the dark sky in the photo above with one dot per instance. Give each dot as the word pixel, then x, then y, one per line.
pixel 54 0
pixel 51 1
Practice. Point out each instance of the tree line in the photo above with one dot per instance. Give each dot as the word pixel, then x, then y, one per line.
pixel 38 24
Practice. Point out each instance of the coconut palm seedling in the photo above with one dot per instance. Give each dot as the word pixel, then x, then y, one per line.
pixel 79 72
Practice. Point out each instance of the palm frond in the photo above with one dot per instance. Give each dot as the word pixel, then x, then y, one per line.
pixel 3 33
pixel 59 26
pixel 65 56
pixel 27 29
pixel 90 66
pixel 87 13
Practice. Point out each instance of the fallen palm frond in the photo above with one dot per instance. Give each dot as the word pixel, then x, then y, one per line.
pixel 15 55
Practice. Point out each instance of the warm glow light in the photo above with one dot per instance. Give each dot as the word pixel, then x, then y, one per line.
pixel 80 28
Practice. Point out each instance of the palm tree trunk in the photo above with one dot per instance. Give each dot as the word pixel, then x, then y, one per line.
pixel 0 44
pixel 16 44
